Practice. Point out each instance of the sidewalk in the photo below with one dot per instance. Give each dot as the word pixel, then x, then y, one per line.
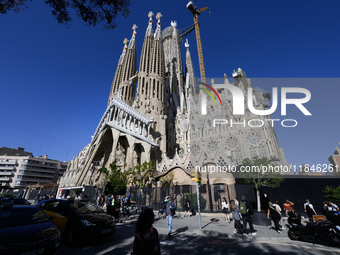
pixel 214 224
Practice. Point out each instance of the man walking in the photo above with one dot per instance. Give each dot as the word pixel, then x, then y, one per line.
pixel 246 211
pixel 169 212
pixel 309 209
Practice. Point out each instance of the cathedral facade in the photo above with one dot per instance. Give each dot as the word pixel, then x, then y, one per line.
pixel 152 115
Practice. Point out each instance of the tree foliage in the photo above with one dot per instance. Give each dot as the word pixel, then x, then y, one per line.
pixel 167 180
pixel 260 179
pixel 332 193
pixel 115 180
pixel 142 175
pixel 91 12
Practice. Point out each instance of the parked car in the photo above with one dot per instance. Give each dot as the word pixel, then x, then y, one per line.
pixel 14 200
pixel 78 220
pixel 27 230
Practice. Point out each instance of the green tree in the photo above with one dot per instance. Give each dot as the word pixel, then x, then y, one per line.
pixel 332 193
pixel 115 180
pixel 258 178
pixel 141 176
pixel 91 12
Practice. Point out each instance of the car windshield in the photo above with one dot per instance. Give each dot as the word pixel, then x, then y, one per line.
pixel 84 207
pixel 18 216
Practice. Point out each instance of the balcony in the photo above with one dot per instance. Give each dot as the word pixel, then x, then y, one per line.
pixel 3 167
pixel 6 173
pixel 5 179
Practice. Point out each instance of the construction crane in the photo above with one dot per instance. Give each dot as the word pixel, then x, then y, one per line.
pixel 193 9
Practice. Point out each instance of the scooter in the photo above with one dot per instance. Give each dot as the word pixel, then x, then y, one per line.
pixel 322 232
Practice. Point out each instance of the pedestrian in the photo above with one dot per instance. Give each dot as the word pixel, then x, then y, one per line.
pixel 275 215
pixel 287 206
pixel 110 205
pixel 117 209
pixel 235 212
pixel 309 209
pixel 332 207
pixel 169 212
pixel 225 209
pixel 246 211
pixel 186 206
pixel 146 237
pixel 276 205
pixel 100 201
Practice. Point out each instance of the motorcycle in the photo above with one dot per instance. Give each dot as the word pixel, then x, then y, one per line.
pixel 322 232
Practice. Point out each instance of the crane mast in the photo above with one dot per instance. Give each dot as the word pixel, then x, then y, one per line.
pixel 193 9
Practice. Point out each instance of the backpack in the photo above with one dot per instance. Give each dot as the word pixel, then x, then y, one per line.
pixel 243 207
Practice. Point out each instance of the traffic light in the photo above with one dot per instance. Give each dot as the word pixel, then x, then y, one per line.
pixel 197 177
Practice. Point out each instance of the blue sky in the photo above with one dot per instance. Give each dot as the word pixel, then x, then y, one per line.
pixel 55 80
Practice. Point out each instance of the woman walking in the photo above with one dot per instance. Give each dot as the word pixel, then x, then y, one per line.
pixel 225 209
pixel 235 211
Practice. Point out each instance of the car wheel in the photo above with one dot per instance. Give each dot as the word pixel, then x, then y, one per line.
pixel 293 235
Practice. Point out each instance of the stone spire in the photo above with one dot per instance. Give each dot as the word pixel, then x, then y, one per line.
pixel 190 75
pixel 144 65
pixel 129 70
pixel 118 75
pixel 157 63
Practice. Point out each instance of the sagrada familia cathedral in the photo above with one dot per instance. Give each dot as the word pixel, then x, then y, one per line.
pixel 151 116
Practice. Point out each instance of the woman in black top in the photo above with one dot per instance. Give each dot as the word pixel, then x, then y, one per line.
pixel 146 237
pixel 186 205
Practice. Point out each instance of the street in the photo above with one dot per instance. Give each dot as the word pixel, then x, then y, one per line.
pixel 216 237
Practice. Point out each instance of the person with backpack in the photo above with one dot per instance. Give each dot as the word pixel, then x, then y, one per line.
pixel 246 211
pixel 169 212
pixel 275 215
pixel 309 209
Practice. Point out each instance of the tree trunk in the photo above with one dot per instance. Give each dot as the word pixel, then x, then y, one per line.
pixel 258 200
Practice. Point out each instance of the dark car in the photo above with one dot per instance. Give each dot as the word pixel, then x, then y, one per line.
pixel 78 220
pixel 27 230
pixel 14 200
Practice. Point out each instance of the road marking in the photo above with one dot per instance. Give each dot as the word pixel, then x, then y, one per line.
pixel 168 243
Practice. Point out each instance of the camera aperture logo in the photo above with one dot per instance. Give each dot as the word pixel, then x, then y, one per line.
pixel 239 99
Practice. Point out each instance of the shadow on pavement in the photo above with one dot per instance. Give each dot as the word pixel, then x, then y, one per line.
pixel 211 221
pixel 222 244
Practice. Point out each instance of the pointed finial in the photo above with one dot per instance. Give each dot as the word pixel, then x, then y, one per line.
pixel 134 28
pixel 125 43
pixel 150 15
pixel 158 17
pixel 173 24
pixel 186 44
